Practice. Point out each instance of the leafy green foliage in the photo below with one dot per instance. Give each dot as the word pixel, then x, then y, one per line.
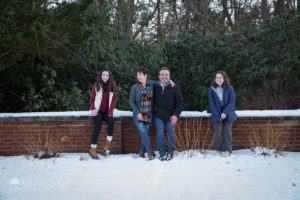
pixel 50 57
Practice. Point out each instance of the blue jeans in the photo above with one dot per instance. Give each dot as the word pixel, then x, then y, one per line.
pixel 226 126
pixel 160 127
pixel 144 131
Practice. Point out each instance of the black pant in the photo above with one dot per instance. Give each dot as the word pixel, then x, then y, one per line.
pixel 97 120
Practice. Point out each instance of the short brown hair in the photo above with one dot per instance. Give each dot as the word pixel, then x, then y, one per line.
pixel 142 70
pixel 164 68
pixel 225 76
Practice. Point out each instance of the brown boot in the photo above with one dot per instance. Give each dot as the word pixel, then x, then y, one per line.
pixel 93 153
pixel 153 154
pixel 141 154
pixel 106 150
pixel 150 156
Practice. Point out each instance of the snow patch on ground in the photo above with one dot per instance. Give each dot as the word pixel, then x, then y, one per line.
pixel 243 175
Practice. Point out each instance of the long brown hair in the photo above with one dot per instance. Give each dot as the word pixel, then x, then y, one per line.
pixel 225 76
pixel 111 85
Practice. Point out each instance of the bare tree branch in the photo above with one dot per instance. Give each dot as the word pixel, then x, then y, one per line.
pixel 146 21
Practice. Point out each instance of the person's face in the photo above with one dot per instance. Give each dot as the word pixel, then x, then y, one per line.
pixel 164 76
pixel 219 79
pixel 141 77
pixel 105 76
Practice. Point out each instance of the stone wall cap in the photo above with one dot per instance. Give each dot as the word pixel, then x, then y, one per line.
pixel 120 113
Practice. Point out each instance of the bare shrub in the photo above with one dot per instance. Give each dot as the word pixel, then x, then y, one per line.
pixel 47 147
pixel 268 141
pixel 193 138
pixel 269 96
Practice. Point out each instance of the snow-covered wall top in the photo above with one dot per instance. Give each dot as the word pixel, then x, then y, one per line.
pixel 120 113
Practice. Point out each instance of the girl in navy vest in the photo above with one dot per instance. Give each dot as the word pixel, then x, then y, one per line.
pixel 102 103
pixel 221 98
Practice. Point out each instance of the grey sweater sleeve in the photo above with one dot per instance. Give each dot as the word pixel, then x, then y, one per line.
pixel 132 97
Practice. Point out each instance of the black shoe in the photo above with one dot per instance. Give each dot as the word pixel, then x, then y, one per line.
pixel 141 154
pixel 163 157
pixel 150 156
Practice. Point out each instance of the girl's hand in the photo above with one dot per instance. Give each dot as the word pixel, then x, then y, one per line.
pixel 223 116
pixel 140 117
pixel 94 113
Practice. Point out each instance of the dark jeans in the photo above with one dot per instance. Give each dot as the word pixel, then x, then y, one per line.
pixel 97 120
pixel 161 125
pixel 226 126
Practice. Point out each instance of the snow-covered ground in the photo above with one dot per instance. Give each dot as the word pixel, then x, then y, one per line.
pixel 241 176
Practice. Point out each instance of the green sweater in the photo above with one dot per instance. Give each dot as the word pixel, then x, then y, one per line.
pixel 135 97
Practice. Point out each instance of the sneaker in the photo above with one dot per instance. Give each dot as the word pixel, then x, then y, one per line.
pixel 150 156
pixel 224 153
pixel 170 156
pixel 106 150
pixel 163 157
pixel 153 154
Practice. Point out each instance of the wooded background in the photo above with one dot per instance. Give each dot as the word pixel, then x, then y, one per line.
pixel 51 52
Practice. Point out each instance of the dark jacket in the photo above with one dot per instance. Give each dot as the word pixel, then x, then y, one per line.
pixel 228 105
pixel 166 102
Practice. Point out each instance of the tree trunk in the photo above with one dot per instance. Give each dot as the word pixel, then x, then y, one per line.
pixel 187 19
pixel 279 7
pixel 119 15
pixel 264 11
pixel 173 5
pixel 235 7
pixel 200 9
pixel 100 4
pixel 158 21
pixel 129 18
pixel 226 13
pixel 124 16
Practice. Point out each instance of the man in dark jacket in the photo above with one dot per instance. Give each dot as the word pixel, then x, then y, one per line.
pixel 167 102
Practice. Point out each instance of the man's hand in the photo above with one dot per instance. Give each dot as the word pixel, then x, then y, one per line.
pixel 173 119
pixel 140 117
pixel 172 83
pixel 94 113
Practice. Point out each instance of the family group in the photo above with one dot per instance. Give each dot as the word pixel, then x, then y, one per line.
pixel 160 103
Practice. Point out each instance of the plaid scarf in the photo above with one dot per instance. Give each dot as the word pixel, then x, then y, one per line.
pixel 146 101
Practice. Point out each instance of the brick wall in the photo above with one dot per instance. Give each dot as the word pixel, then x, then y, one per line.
pixel 13 132
pixel 240 131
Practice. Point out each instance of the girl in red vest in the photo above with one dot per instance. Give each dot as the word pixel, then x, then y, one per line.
pixel 102 103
